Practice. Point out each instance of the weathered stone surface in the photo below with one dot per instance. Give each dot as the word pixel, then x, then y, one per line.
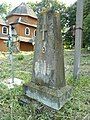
pixel 51 97
pixel 48 83
pixel 48 61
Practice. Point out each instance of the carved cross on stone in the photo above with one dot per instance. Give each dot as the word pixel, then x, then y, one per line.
pixel 44 26
pixel 44 29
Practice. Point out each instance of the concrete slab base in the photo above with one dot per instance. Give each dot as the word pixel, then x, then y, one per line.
pixel 54 98
pixel 11 84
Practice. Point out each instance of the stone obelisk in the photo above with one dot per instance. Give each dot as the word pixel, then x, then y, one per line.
pixel 48 84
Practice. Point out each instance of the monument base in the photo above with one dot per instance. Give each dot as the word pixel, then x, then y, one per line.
pixel 54 98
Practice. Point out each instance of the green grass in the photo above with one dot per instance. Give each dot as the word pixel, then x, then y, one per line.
pixel 77 108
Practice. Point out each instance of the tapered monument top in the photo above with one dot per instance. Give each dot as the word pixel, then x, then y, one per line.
pixel 48 60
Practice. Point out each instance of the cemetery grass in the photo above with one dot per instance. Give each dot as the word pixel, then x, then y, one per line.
pixel 11 109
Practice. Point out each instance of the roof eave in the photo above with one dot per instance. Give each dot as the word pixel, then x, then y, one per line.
pixel 35 17
pixel 35 26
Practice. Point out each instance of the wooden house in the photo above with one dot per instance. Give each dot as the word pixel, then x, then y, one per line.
pixel 24 21
pixel 3 35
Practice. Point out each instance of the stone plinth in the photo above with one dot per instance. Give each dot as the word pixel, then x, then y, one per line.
pixel 48 83
pixel 53 98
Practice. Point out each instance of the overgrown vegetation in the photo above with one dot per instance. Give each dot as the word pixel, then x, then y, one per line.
pixel 76 109
pixel 68 19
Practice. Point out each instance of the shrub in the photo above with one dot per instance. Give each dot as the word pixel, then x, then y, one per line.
pixel 20 57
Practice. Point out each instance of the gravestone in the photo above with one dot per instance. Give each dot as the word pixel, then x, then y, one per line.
pixel 48 84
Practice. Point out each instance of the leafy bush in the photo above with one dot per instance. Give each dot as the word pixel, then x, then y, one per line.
pixel 20 57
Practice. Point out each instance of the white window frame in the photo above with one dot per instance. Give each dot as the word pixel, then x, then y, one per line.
pixel 26 31
pixel 34 33
pixel 6 30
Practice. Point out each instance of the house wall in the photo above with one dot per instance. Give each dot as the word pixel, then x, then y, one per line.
pixel 3 46
pixel 28 19
pixel 26 46
pixel 1 28
pixel 20 28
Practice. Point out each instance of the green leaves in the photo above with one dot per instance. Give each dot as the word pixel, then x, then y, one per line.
pixel 37 7
pixel 4 9
pixel 71 20
pixel 87 30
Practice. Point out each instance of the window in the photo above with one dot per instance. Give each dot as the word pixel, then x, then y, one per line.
pixel 4 30
pixel 27 31
pixel 34 32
